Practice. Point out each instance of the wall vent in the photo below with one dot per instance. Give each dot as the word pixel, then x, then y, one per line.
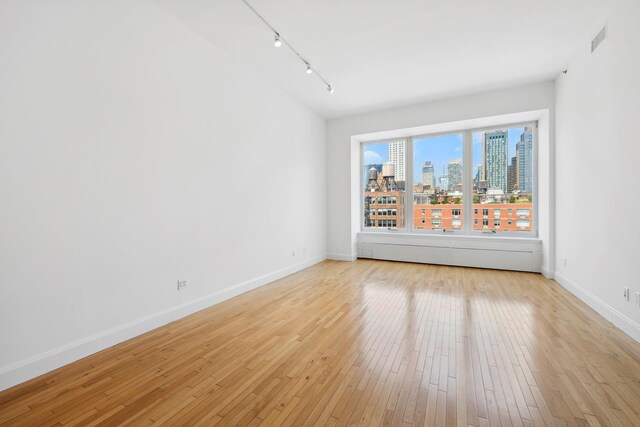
pixel 599 39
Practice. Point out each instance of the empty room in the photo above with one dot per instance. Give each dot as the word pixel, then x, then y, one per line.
pixel 319 212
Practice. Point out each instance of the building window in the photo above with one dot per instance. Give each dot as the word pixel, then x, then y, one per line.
pixel 497 182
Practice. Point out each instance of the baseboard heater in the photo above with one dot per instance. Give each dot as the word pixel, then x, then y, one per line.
pixel 508 256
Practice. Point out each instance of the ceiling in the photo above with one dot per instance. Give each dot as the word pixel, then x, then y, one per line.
pixel 386 53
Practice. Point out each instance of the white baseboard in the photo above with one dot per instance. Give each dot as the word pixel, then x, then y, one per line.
pixel 341 257
pixel 546 272
pixel 627 325
pixel 34 366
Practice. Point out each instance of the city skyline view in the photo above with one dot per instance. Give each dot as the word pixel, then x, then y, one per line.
pixel 440 150
pixel 502 181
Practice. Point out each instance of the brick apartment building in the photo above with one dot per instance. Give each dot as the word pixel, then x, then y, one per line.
pixel 498 217
pixel 384 209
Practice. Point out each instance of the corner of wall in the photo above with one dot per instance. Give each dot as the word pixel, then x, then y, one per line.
pixel 624 323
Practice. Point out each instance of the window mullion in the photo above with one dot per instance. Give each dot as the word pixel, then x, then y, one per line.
pixel 467 203
pixel 408 184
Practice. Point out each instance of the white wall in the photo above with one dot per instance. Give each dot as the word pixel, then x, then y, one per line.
pixel 342 196
pixel 134 153
pixel 598 153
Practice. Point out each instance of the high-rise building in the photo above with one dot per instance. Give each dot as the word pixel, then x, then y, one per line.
pixel 512 176
pixel 495 148
pixel 524 154
pixel 396 156
pixel 476 179
pixel 428 177
pixel 444 181
pixel 454 175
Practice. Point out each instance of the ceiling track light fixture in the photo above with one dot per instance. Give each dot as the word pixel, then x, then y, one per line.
pixel 279 41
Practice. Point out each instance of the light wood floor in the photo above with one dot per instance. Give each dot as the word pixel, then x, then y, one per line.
pixel 364 343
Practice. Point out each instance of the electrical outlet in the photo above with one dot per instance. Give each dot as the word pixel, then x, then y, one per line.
pixel 637 295
pixel 625 293
pixel 182 284
pixel 564 261
pixel 293 254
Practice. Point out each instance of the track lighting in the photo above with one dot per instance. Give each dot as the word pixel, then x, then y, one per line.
pixel 278 41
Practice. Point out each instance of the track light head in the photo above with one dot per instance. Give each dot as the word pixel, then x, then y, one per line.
pixel 329 89
pixel 277 42
pixel 309 70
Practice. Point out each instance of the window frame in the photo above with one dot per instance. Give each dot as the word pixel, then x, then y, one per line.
pixel 468 173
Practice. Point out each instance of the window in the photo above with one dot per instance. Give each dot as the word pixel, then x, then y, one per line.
pixel 384 179
pixel 452 181
pixel 504 173
pixel 437 172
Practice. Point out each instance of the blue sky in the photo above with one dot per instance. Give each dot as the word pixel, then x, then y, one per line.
pixel 440 150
